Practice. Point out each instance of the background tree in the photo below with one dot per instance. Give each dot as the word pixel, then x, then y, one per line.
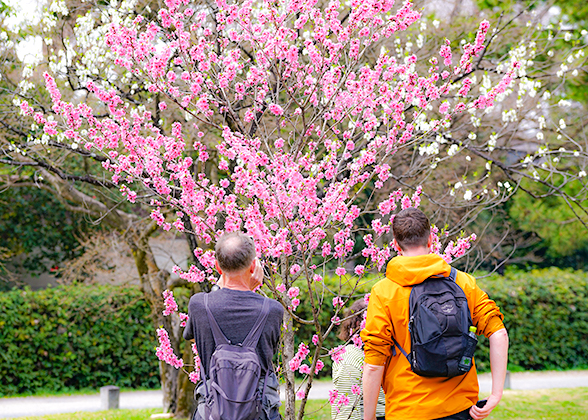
pixel 64 171
pixel 297 122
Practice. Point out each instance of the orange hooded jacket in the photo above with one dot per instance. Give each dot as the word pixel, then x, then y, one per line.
pixel 409 396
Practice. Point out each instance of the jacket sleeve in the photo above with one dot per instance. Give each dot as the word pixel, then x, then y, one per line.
pixel 377 333
pixel 486 315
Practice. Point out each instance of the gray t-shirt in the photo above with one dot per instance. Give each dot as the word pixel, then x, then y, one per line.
pixel 235 311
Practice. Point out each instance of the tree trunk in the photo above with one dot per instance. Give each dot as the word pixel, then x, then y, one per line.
pixel 186 403
pixel 287 355
pixel 178 391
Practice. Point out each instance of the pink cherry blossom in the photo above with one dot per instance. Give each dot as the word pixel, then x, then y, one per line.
pixel 293 292
pixel 279 136
pixel 169 302
pixel 165 352
pixel 333 395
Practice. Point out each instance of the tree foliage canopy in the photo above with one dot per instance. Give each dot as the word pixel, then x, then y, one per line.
pixel 305 123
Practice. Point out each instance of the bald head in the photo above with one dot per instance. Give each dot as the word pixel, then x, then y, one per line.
pixel 235 251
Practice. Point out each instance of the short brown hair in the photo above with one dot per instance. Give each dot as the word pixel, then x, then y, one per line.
pixel 354 317
pixel 234 251
pixel 411 228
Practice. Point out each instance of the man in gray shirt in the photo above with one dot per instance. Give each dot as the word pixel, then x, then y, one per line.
pixel 235 308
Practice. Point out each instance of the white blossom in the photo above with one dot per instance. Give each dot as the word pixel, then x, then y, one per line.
pixel 509 116
pixel 453 150
pixel 430 149
pixel 492 141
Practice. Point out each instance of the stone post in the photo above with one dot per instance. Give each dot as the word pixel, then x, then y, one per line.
pixel 507 384
pixel 109 397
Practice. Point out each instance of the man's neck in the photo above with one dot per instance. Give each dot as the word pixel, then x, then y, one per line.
pixel 237 282
pixel 415 252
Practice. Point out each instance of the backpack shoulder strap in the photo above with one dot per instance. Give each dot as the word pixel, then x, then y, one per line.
pixel 217 334
pixel 399 348
pixel 453 274
pixel 253 337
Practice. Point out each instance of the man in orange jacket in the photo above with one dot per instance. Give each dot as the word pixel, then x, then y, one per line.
pixel 408 395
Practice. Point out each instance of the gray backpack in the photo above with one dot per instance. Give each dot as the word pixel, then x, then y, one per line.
pixel 234 373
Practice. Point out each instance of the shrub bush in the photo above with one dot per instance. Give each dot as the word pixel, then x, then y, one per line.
pixel 74 337
pixel 546 314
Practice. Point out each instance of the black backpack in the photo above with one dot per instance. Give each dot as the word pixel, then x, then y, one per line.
pixel 234 373
pixel 439 326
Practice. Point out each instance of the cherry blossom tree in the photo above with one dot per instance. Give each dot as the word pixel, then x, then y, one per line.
pixel 306 124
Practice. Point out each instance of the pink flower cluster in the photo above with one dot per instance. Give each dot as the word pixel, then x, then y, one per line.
pixel 337 353
pixel 458 249
pixel 165 351
pixel 356 340
pixel 486 101
pixel 293 295
pixel 169 302
pixel 194 376
pixel 296 362
pixel 333 394
pixel 293 193
pixel 183 319
pixel 338 400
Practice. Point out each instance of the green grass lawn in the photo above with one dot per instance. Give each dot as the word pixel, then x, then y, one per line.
pixel 99 415
pixel 550 404
pixel 71 392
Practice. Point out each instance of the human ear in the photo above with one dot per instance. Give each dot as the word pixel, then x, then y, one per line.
pixel 396 246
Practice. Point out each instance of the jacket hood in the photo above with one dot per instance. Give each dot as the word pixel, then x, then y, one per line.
pixel 408 271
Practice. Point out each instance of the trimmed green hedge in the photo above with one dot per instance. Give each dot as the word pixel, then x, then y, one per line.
pixel 73 337
pixel 546 314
